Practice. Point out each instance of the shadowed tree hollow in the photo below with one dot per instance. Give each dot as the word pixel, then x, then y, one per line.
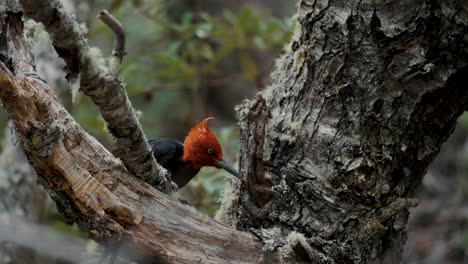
pixel 331 152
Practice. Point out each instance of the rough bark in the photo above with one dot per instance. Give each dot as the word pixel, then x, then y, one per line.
pixel 93 188
pixel 361 103
pixel 100 81
pixel 331 153
pixel 24 204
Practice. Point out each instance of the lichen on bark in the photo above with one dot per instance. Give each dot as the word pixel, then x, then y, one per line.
pixel 360 103
pixel 331 152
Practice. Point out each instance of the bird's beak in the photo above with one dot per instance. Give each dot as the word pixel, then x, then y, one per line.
pixel 228 168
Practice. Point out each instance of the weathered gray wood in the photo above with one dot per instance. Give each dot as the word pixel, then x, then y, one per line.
pixel 103 85
pixel 331 152
pixel 93 188
pixel 361 102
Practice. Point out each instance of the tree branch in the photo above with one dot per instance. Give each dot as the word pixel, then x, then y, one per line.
pixel 92 188
pixel 102 85
pixel 119 42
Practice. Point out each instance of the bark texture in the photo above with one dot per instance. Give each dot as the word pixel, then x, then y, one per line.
pixel 93 188
pixel 24 204
pixel 100 80
pixel 361 103
pixel 331 153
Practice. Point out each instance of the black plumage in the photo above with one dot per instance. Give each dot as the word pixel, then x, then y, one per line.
pixel 168 153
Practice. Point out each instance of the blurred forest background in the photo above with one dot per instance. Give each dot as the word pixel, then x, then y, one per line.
pixel 188 60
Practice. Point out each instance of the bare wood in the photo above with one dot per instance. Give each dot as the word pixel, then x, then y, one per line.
pixel 94 189
pixel 103 86
pixel 334 150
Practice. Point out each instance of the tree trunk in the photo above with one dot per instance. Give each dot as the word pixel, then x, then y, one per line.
pixel 361 103
pixel 331 152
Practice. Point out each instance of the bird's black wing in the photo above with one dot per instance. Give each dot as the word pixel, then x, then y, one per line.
pixel 168 152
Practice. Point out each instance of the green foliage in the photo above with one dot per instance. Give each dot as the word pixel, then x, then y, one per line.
pixel 193 46
pixel 175 57
pixel 203 41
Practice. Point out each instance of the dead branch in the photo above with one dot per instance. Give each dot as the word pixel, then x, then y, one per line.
pixel 92 188
pixel 102 84
pixel 119 42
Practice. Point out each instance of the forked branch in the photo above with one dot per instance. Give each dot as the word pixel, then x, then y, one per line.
pixel 91 187
pixel 101 82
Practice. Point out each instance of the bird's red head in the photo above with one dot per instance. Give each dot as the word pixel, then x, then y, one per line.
pixel 201 147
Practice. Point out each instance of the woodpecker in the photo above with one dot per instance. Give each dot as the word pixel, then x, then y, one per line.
pixel 200 148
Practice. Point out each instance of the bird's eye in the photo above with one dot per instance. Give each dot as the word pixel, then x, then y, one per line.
pixel 210 151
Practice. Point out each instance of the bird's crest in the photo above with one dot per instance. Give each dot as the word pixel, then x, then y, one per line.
pixel 198 141
pixel 202 127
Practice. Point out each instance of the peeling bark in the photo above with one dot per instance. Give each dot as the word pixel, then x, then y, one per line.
pixel 23 203
pixel 102 83
pixel 93 188
pixel 331 152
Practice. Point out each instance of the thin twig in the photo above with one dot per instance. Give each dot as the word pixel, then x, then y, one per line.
pixel 119 40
